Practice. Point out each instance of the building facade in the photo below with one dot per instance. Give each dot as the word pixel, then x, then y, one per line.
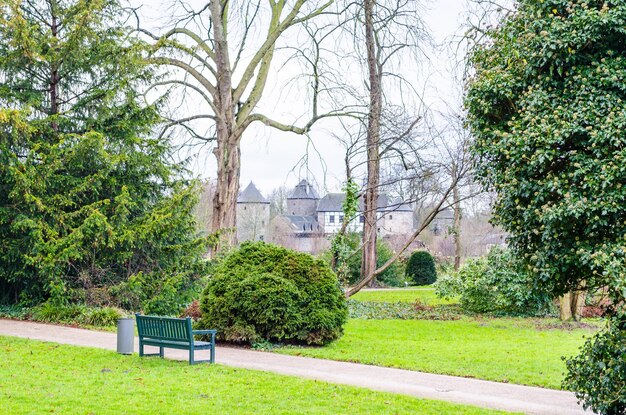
pixel 253 215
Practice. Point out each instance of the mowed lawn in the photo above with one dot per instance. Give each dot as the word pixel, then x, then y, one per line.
pixel 522 351
pixel 393 295
pixel 38 378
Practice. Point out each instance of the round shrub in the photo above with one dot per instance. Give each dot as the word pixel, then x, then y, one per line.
pixel 263 292
pixel 421 268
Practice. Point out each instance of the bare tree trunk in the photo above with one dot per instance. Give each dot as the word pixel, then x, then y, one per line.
pixel 457 221
pixel 571 305
pixel 227 152
pixel 368 263
pixel 565 306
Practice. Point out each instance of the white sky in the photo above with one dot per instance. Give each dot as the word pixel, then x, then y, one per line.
pixel 269 157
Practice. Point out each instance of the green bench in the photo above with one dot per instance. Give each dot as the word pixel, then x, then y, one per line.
pixel 175 333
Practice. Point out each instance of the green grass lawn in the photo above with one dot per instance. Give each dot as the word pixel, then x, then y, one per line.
pixel 522 351
pixel 392 295
pixel 38 378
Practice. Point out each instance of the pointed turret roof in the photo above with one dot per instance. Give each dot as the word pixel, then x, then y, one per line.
pixel 304 190
pixel 251 195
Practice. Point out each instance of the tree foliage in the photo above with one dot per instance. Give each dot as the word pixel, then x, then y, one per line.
pixel 546 105
pixel 263 292
pixel 90 208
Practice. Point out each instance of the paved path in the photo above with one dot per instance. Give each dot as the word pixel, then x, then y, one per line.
pixel 481 393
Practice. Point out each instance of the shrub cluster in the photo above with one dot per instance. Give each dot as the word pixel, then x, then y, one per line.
pixel 371 310
pixel 499 283
pixel 598 373
pixel 76 314
pixel 266 292
pixel 421 268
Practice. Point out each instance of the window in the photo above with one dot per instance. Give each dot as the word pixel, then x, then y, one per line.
pixel 362 219
pixel 331 219
pixel 390 217
pixel 262 223
pixel 340 218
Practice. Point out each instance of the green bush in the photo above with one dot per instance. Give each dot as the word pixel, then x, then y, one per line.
pixel 262 292
pixel 598 373
pixel 499 283
pixel 421 268
pixel 49 312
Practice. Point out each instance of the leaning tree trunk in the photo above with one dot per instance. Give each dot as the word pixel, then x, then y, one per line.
pixel 368 264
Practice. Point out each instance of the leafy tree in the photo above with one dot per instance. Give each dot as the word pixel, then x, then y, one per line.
pixel 420 268
pixel 90 208
pixel 546 105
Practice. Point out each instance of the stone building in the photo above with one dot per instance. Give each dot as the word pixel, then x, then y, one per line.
pixel 253 214
pixel 311 220
pixel 393 217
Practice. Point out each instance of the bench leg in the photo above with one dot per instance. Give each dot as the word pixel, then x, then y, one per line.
pixel 191 357
pixel 140 349
pixel 161 353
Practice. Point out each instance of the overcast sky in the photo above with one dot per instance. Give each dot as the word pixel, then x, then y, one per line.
pixel 271 159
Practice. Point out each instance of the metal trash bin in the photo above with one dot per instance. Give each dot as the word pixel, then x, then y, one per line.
pixel 126 335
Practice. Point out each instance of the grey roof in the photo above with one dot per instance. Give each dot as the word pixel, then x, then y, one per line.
pixel 251 195
pixel 333 202
pixel 303 190
pixel 445 214
pixel 302 223
pixel 396 206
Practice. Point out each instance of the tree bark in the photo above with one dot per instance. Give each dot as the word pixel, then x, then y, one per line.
pixel 565 307
pixel 368 263
pixel 457 221
pixel 227 152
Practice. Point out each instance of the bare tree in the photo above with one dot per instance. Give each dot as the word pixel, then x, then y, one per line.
pixel 224 52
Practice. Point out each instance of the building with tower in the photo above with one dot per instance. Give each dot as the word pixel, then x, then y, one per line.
pixel 253 214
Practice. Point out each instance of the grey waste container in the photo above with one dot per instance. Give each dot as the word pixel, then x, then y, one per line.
pixel 126 335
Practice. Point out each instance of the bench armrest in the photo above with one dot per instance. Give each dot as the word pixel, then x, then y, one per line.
pixel 198 332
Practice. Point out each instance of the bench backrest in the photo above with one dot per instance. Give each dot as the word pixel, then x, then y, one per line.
pixel 164 328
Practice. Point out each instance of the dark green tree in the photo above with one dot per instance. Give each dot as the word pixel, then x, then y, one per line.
pixel 546 105
pixel 90 208
pixel 420 268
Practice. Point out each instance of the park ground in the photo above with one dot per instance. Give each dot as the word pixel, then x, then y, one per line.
pixel 509 350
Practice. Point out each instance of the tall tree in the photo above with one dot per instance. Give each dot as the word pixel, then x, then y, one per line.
pixel 546 105
pixel 375 73
pixel 227 64
pixel 90 210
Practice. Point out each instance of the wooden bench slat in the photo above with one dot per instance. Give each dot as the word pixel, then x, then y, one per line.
pixel 169 332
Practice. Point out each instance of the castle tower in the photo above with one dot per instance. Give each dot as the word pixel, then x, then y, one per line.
pixel 253 214
pixel 303 200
